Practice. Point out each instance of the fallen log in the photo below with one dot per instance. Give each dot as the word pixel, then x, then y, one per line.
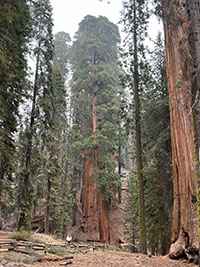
pixel 4 249
pixel 24 251
pixel 38 248
pixel 5 243
pixel 38 245
pixel 55 245
pixel 57 258
pixel 65 263
pixel 93 240
pixel 7 240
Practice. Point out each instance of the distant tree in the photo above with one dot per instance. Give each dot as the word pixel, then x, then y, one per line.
pixel 62 52
pixel 14 35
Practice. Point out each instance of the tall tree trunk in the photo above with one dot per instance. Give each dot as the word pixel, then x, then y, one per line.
pixel 181 72
pixel 88 197
pixel 194 40
pixel 26 195
pixel 96 219
pixel 88 187
pixel 139 164
pixel 119 163
pixel 48 200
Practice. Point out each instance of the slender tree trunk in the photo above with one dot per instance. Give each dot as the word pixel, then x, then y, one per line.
pixel 139 165
pixel 26 197
pixel 119 164
pixel 181 72
pixel 48 197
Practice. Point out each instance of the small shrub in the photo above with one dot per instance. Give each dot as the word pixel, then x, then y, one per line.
pixel 31 259
pixel 13 257
pixel 25 236
pixel 57 250
pixel 36 240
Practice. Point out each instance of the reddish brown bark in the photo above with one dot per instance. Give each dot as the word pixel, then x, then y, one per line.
pixel 103 220
pixel 95 218
pixel 88 197
pixel 88 187
pixel 180 68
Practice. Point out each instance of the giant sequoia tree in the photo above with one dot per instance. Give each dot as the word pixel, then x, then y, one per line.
pixel 95 109
pixel 182 42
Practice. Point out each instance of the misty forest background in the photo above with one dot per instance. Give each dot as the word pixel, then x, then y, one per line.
pixel 95 107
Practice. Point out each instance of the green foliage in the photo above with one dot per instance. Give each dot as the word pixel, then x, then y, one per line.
pixel 21 236
pixel 58 250
pixel 94 58
pixel 13 257
pixel 135 19
pixel 39 117
pixel 18 258
pixel 25 236
pixel 113 248
pixel 178 84
pixel 14 35
pixel 31 259
pixel 62 51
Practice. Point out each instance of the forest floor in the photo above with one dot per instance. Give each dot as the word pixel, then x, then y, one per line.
pixel 110 259
pixel 102 258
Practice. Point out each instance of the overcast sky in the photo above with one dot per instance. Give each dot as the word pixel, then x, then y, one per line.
pixel 68 14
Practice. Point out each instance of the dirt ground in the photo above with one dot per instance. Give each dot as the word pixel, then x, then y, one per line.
pixel 101 258
pixel 110 259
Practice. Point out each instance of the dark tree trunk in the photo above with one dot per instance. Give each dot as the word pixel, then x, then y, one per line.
pixel 26 195
pixel 181 53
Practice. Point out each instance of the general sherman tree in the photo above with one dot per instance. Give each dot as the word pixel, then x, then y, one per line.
pixel 182 42
pixel 95 110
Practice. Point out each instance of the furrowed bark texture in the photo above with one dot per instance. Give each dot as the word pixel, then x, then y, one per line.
pixel 194 40
pixel 88 197
pixel 181 71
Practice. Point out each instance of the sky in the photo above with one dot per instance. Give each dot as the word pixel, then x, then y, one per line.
pixel 68 14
